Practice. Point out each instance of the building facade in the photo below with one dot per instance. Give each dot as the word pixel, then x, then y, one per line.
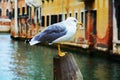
pixel 94 14
pixel 26 18
pixel 100 18
pixel 5 15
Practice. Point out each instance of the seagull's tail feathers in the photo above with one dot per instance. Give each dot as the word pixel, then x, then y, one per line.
pixel 34 42
pixel 50 43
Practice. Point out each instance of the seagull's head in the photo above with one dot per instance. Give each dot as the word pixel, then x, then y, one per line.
pixel 72 21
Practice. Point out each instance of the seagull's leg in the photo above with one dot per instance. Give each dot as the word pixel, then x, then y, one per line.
pixel 59 51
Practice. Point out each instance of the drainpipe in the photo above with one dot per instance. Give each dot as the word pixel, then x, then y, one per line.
pixel 62 10
pixel 67 8
pixel 39 16
pixel 16 19
pixel 84 26
pixel 35 18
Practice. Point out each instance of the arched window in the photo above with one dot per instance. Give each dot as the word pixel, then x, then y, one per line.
pixel 23 11
pixel 76 15
pixel 18 11
pixel 7 12
pixel 70 14
pixel 6 0
pixel 13 13
pixel 0 12
pixel 37 16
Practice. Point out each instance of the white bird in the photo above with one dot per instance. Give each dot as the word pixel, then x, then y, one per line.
pixel 56 33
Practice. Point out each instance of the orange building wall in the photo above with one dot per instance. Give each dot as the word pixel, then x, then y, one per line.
pixel 6 24
pixel 4 6
pixel 21 3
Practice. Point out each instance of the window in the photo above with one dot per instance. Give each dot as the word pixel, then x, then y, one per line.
pixel 23 10
pixel 37 16
pixel 0 12
pixel 43 20
pixel 27 10
pixel 65 16
pixel 47 20
pixel 82 17
pixel 6 0
pixel 70 14
pixel 53 19
pixel 30 10
pixel 47 0
pixel 13 13
pixel 7 12
pixel 18 11
pixel 60 17
pixel 10 15
pixel 76 15
pixel 43 1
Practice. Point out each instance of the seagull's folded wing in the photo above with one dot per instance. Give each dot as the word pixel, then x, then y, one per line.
pixel 50 34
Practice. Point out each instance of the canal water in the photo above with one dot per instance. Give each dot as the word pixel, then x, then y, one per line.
pixel 19 61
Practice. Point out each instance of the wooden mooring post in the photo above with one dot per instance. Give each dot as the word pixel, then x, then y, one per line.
pixel 65 68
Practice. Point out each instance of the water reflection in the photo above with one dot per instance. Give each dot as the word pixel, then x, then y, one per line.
pixel 96 68
pixel 19 61
pixel 32 63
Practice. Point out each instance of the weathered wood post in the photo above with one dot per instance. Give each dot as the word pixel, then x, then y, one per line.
pixel 65 68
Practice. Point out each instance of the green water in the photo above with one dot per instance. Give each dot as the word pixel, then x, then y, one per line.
pixel 19 61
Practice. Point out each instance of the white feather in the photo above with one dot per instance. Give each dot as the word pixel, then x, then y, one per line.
pixel 34 42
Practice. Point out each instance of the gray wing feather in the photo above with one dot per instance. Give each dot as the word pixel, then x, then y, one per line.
pixel 51 33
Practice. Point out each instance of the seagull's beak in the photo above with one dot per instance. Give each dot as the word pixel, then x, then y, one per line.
pixel 79 23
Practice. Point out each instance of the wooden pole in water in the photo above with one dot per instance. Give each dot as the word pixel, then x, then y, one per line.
pixel 65 68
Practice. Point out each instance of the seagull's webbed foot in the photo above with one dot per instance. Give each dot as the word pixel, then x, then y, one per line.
pixel 61 54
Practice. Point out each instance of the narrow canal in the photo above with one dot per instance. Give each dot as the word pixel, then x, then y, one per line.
pixel 19 61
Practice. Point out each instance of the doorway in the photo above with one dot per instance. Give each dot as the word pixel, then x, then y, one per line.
pixel 90 24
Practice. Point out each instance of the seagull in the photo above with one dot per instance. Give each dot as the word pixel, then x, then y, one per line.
pixel 56 33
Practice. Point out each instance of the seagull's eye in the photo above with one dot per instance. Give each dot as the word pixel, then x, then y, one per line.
pixel 75 21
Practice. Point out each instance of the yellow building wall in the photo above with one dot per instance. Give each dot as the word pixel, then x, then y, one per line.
pixel 63 7
pixel 72 6
pixel 102 17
